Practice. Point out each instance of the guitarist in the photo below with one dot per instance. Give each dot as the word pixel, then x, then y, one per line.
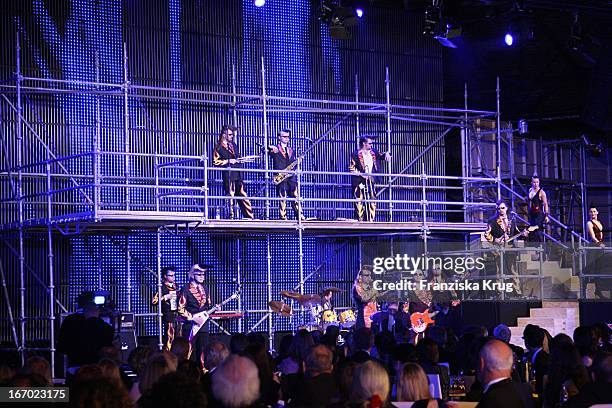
pixel 195 298
pixel 282 157
pixel 499 229
pixel 365 297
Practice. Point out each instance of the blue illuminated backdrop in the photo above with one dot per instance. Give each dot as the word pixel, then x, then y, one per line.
pixel 194 44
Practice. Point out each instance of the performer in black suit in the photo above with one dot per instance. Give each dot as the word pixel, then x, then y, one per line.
pixel 495 370
pixel 195 298
pixel 169 306
pixel 364 163
pixel 283 156
pixel 225 154
pixel 499 229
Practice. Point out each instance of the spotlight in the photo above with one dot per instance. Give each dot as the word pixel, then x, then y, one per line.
pixel 523 128
pixel 339 18
pixel 359 12
pixel 509 39
pixel 260 3
pixel 440 27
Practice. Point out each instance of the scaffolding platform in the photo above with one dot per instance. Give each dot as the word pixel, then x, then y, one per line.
pixel 131 220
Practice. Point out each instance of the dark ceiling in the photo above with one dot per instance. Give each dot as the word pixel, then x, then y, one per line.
pixel 558 74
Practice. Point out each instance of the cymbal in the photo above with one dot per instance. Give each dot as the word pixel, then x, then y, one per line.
pixel 309 300
pixel 331 289
pixel 280 308
pixel 290 294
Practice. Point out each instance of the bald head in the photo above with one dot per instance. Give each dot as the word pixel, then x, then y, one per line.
pixel 496 361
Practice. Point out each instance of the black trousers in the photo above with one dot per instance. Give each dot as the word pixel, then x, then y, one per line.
pixel 198 342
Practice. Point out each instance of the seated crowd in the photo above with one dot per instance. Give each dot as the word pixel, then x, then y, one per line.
pixel 312 369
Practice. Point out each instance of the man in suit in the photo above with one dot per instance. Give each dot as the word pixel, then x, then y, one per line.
pixel 284 156
pixel 494 372
pixel 364 163
pixel 536 356
pixel 318 386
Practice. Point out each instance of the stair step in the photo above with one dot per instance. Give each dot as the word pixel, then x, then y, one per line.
pixel 560 303
pixel 557 312
pixel 541 321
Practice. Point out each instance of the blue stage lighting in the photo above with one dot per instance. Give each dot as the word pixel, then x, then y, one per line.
pixel 359 12
pixel 260 3
pixel 508 39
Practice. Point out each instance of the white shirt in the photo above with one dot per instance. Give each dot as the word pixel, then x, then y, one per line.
pixel 368 162
pixel 495 381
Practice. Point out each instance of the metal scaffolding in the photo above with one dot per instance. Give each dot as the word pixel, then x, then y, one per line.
pixel 73 202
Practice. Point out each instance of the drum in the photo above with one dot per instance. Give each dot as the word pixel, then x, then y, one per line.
pixel 347 318
pixel 328 318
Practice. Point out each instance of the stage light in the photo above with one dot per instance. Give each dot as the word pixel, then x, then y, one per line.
pixel 260 3
pixel 359 12
pixel 509 39
pixel 441 27
pixel 339 18
pixel 523 128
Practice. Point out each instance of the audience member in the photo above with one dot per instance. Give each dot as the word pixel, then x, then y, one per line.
pixel 38 365
pixel 495 369
pixel 370 385
pixel 600 390
pixel 317 387
pixel 429 358
pixel 238 342
pixel 181 347
pixel 235 382
pixel 176 390
pixel 586 343
pixel 539 359
pixel 159 364
pixel 566 371
pixel 361 345
pixel 98 393
pixel 412 385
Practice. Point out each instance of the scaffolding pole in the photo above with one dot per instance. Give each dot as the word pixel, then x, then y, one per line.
pixel 126 125
pixel 264 102
pixel 464 147
pixel 19 134
pixel 50 263
pixel 498 125
pixel 160 339
pixel 388 130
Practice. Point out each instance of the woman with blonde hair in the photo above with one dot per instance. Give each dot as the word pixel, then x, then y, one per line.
pixel 370 386
pixel 412 385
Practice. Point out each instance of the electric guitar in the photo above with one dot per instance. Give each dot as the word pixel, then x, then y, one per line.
pixel 528 229
pixel 205 315
pixel 420 321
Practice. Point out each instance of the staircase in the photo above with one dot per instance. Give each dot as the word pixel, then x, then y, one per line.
pixel 556 317
pixel 557 282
